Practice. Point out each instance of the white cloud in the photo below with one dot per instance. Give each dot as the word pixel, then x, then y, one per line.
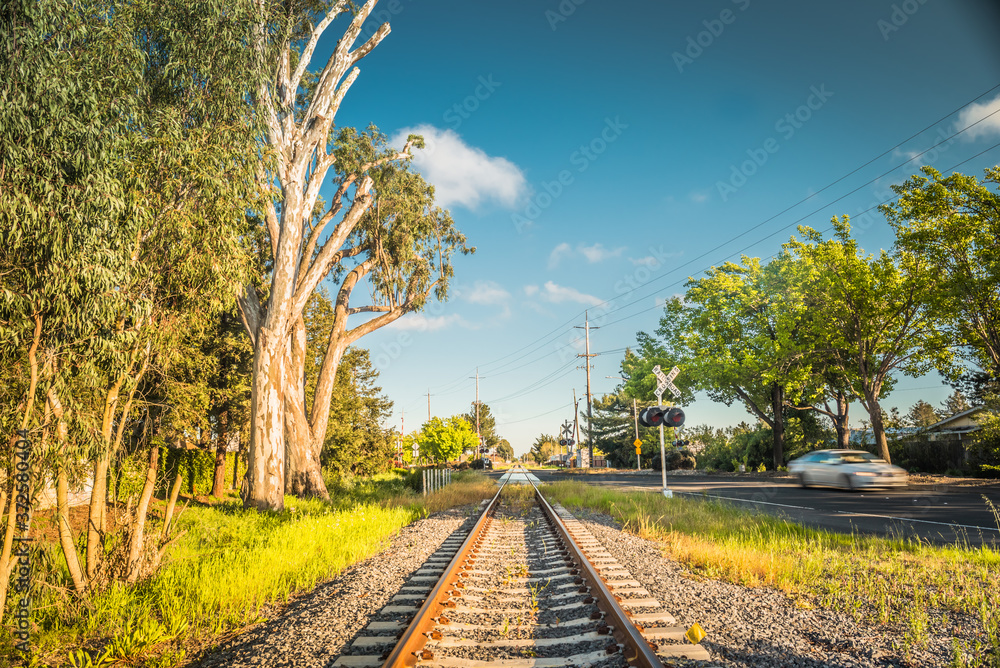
pixel 557 294
pixel 418 322
pixel 485 292
pixel 699 196
pixel 558 253
pixel 977 112
pixel 463 175
pixel 531 290
pixel 598 252
pixel 592 254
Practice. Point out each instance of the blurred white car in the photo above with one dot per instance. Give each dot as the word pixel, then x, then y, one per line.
pixel 850 469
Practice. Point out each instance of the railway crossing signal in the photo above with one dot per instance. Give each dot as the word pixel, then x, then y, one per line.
pixel 667 416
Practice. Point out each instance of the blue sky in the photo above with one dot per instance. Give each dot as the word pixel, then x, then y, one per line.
pixel 598 154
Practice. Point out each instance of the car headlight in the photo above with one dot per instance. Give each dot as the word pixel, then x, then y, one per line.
pixel 867 474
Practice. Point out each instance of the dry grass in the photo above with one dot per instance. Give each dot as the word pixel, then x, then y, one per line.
pixel 901 583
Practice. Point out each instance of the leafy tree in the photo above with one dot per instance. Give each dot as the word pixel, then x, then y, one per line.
pixel 127 157
pixel 487 424
pixel 380 229
pixel 544 447
pixel 442 440
pixel 876 310
pixel 739 336
pixel 956 403
pixel 921 414
pixel 356 443
pixel 952 223
pixel 614 430
pixel 505 450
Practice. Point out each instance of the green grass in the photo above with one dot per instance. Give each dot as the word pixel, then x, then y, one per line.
pixel 904 584
pixel 227 568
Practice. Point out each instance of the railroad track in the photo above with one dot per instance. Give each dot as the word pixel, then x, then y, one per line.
pixel 527 587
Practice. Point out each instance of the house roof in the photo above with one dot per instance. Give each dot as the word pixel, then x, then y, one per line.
pixel 943 424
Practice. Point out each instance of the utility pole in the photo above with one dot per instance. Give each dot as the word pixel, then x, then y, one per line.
pixel 576 423
pixel 590 414
pixel 479 438
pixel 635 415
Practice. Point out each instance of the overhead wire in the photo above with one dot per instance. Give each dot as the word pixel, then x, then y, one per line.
pixel 541 341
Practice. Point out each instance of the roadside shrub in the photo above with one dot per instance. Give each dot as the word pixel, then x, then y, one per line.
pixel 677 459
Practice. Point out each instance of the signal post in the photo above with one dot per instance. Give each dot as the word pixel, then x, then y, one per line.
pixel 656 415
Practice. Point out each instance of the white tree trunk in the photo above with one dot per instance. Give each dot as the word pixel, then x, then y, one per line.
pixel 266 470
pixel 303 474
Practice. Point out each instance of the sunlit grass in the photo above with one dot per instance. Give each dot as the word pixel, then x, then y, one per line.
pixel 877 580
pixel 230 566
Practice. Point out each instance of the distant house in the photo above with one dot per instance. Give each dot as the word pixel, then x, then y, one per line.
pixel 958 425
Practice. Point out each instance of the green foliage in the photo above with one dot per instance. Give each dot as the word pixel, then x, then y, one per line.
pixel 196 466
pixel 443 440
pixel 356 443
pixel 614 430
pixel 952 223
pixel 505 450
pixel 921 414
pixel 955 403
pixel 544 447
pixel 984 451
pixel 487 424
pixel 877 311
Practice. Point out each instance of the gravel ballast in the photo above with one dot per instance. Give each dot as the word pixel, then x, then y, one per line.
pixel 315 627
pixel 752 627
pixel 761 627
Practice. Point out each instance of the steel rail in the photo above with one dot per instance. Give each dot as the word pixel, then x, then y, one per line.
pixel 411 643
pixel 637 650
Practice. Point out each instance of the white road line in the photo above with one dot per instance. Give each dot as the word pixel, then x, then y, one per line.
pixel 842 512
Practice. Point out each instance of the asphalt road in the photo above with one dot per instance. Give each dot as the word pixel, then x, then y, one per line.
pixel 937 513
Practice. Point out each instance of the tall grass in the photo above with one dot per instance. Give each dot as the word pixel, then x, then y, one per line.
pixel 228 568
pixel 877 580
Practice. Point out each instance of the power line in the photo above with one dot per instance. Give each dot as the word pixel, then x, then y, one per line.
pixel 779 231
pixel 546 338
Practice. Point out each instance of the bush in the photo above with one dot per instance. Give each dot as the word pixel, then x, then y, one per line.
pixel 677 459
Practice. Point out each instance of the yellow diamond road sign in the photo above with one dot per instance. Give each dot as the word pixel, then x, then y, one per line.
pixel 637 443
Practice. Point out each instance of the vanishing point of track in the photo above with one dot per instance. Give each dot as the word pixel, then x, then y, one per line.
pixel 527 587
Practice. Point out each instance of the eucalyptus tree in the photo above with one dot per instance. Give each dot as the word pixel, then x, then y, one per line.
pixel 125 144
pixel 876 310
pixel 379 229
pixel 953 224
